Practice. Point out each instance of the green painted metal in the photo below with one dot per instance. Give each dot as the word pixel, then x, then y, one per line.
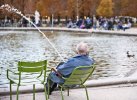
pixel 48 90
pixel 68 91
pixel 46 96
pixel 62 93
pixel 78 77
pixel 10 91
pixel 18 92
pixel 33 91
pixel 86 92
pixel 28 73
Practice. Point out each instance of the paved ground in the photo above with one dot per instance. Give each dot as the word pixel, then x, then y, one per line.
pixel 119 92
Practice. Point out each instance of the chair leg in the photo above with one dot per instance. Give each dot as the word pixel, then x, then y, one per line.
pixel 86 92
pixel 10 90
pixel 62 94
pixel 68 91
pixel 46 95
pixel 48 89
pixel 17 92
pixel 33 91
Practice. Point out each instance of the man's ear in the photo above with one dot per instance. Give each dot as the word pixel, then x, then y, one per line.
pixel 88 53
pixel 75 51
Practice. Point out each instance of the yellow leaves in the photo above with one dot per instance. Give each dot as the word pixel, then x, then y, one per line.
pixel 49 7
pixel 40 8
pixel 105 8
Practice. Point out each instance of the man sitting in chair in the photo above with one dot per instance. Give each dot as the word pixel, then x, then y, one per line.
pixel 66 68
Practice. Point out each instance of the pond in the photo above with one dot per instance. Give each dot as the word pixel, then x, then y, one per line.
pixel 109 51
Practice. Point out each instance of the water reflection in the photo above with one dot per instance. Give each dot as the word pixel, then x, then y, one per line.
pixel 109 51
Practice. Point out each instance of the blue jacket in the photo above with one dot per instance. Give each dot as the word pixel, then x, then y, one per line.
pixel 67 68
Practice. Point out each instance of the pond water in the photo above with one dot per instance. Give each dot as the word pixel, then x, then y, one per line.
pixel 109 51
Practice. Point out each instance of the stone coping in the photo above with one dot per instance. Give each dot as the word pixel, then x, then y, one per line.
pixel 89 83
pixel 113 81
pixel 128 32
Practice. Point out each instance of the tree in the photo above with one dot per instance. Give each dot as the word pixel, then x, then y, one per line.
pixel 129 7
pixel 117 7
pixel 90 7
pixel 105 8
pixel 29 7
pixel 49 7
pixel 132 8
pixel 124 6
pixel 72 8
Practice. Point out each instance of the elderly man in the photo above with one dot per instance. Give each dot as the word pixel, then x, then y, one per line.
pixel 65 69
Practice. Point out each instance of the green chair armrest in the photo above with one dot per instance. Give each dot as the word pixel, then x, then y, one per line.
pixel 8 70
pixel 59 74
pixel 53 69
pixel 15 73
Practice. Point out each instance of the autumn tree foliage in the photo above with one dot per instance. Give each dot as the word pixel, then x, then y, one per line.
pixel 88 7
pixel 125 7
pixel 82 8
pixel 49 7
pixel 132 7
pixel 23 6
pixel 72 8
pixel 105 8
pixel 12 3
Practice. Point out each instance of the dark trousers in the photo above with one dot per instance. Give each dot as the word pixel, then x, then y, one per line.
pixel 50 85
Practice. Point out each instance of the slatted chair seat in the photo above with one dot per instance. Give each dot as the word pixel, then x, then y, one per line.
pixel 27 79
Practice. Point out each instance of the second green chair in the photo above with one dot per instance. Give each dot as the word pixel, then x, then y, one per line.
pixel 29 73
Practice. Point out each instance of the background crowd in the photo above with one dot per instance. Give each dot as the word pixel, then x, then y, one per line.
pixel 112 23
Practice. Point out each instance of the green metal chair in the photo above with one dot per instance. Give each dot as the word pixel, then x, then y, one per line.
pixel 78 77
pixel 29 73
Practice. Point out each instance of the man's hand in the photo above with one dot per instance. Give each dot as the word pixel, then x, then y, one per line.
pixel 55 70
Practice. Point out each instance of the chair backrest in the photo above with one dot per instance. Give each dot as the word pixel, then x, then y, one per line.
pixel 79 75
pixel 32 66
